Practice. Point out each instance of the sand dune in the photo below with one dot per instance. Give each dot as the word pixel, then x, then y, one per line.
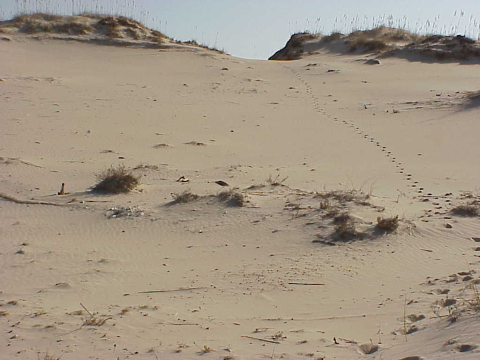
pixel 310 147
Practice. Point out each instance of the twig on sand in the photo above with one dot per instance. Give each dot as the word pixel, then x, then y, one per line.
pixel 172 290
pixel 307 284
pixel 260 339
pixel 89 313
pixel 29 202
pixel 315 319
pixel 22 161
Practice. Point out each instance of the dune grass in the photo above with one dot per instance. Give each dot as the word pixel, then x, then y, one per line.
pixel 467 210
pixel 184 197
pixel 388 224
pixel 116 180
pixel 232 198
pixel 114 27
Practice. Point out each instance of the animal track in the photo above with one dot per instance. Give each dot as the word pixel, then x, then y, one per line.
pixel 414 185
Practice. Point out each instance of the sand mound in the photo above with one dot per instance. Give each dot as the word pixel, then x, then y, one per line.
pixel 97 28
pixel 115 27
pixel 383 41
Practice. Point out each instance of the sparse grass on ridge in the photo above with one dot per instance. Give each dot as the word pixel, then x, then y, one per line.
pixel 195 43
pixel 184 197
pixel 386 40
pixel 114 27
pixel 232 198
pixel 366 45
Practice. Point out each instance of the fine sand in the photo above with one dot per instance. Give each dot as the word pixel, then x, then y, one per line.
pixel 136 276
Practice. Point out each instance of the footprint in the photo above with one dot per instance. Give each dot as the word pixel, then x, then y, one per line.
pixel 465 347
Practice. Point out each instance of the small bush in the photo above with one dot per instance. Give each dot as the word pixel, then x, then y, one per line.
pixel 346 231
pixel 387 224
pixel 468 210
pixel 232 198
pixel 116 180
pixel 184 197
pixel 342 218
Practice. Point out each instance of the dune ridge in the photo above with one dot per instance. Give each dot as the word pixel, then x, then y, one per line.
pixel 383 42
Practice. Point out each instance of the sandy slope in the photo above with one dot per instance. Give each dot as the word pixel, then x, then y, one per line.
pixel 70 110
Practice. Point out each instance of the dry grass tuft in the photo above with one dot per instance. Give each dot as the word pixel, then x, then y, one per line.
pixel 95 321
pixel 387 224
pixel 467 210
pixel 47 356
pixel 346 231
pixel 276 181
pixel 232 198
pixel 195 43
pixel 344 196
pixel 116 180
pixel 184 197
pixel 342 218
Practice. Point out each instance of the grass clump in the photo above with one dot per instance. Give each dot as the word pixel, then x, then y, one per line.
pixel 346 231
pixel 184 197
pixel 342 218
pixel 276 181
pixel 116 180
pixel 232 198
pixel 95 321
pixel 467 210
pixel 332 37
pixel 47 356
pixel 388 224
pixel 367 45
pixel 344 196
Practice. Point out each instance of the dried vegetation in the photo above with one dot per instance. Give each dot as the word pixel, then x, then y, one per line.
pixel 114 27
pixel 116 180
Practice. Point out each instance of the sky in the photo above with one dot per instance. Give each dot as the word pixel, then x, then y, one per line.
pixel 256 29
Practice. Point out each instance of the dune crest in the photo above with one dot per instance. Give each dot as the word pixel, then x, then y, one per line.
pixel 383 42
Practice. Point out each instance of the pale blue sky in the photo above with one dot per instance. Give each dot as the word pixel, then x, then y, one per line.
pixel 257 28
